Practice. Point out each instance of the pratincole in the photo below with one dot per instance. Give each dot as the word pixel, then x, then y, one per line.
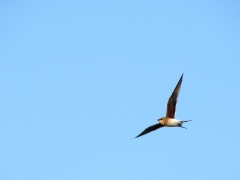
pixel 169 120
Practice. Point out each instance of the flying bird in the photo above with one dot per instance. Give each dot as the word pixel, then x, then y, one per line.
pixel 169 120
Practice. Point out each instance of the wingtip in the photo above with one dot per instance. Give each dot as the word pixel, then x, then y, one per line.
pixel 182 76
pixel 136 137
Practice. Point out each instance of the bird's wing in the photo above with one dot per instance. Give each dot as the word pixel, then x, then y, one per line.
pixel 172 101
pixel 149 129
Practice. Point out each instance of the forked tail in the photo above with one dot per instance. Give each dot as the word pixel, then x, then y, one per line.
pixel 185 121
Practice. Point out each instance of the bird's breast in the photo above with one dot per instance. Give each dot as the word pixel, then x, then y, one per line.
pixel 171 122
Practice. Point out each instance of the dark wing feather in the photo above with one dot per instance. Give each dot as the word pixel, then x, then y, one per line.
pixel 172 101
pixel 149 129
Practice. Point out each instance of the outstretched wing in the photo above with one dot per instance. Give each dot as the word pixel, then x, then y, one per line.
pixel 172 101
pixel 150 129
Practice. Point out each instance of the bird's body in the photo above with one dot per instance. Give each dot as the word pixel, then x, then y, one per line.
pixel 169 120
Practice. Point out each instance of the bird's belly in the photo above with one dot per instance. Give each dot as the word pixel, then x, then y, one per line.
pixel 172 122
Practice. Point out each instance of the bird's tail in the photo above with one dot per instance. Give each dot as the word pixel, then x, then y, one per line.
pixel 185 121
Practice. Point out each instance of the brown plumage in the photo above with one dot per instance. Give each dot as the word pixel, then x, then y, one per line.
pixel 169 119
pixel 172 101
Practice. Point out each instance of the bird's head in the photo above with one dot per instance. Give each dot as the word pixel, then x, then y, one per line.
pixel 160 120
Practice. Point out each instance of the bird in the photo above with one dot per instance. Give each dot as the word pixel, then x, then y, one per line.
pixel 169 120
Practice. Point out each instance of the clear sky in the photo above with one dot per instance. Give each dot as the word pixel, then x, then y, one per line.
pixel 80 79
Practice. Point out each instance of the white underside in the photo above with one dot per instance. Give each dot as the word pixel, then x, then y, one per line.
pixel 173 123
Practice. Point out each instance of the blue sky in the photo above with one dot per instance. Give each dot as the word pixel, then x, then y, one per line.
pixel 80 79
